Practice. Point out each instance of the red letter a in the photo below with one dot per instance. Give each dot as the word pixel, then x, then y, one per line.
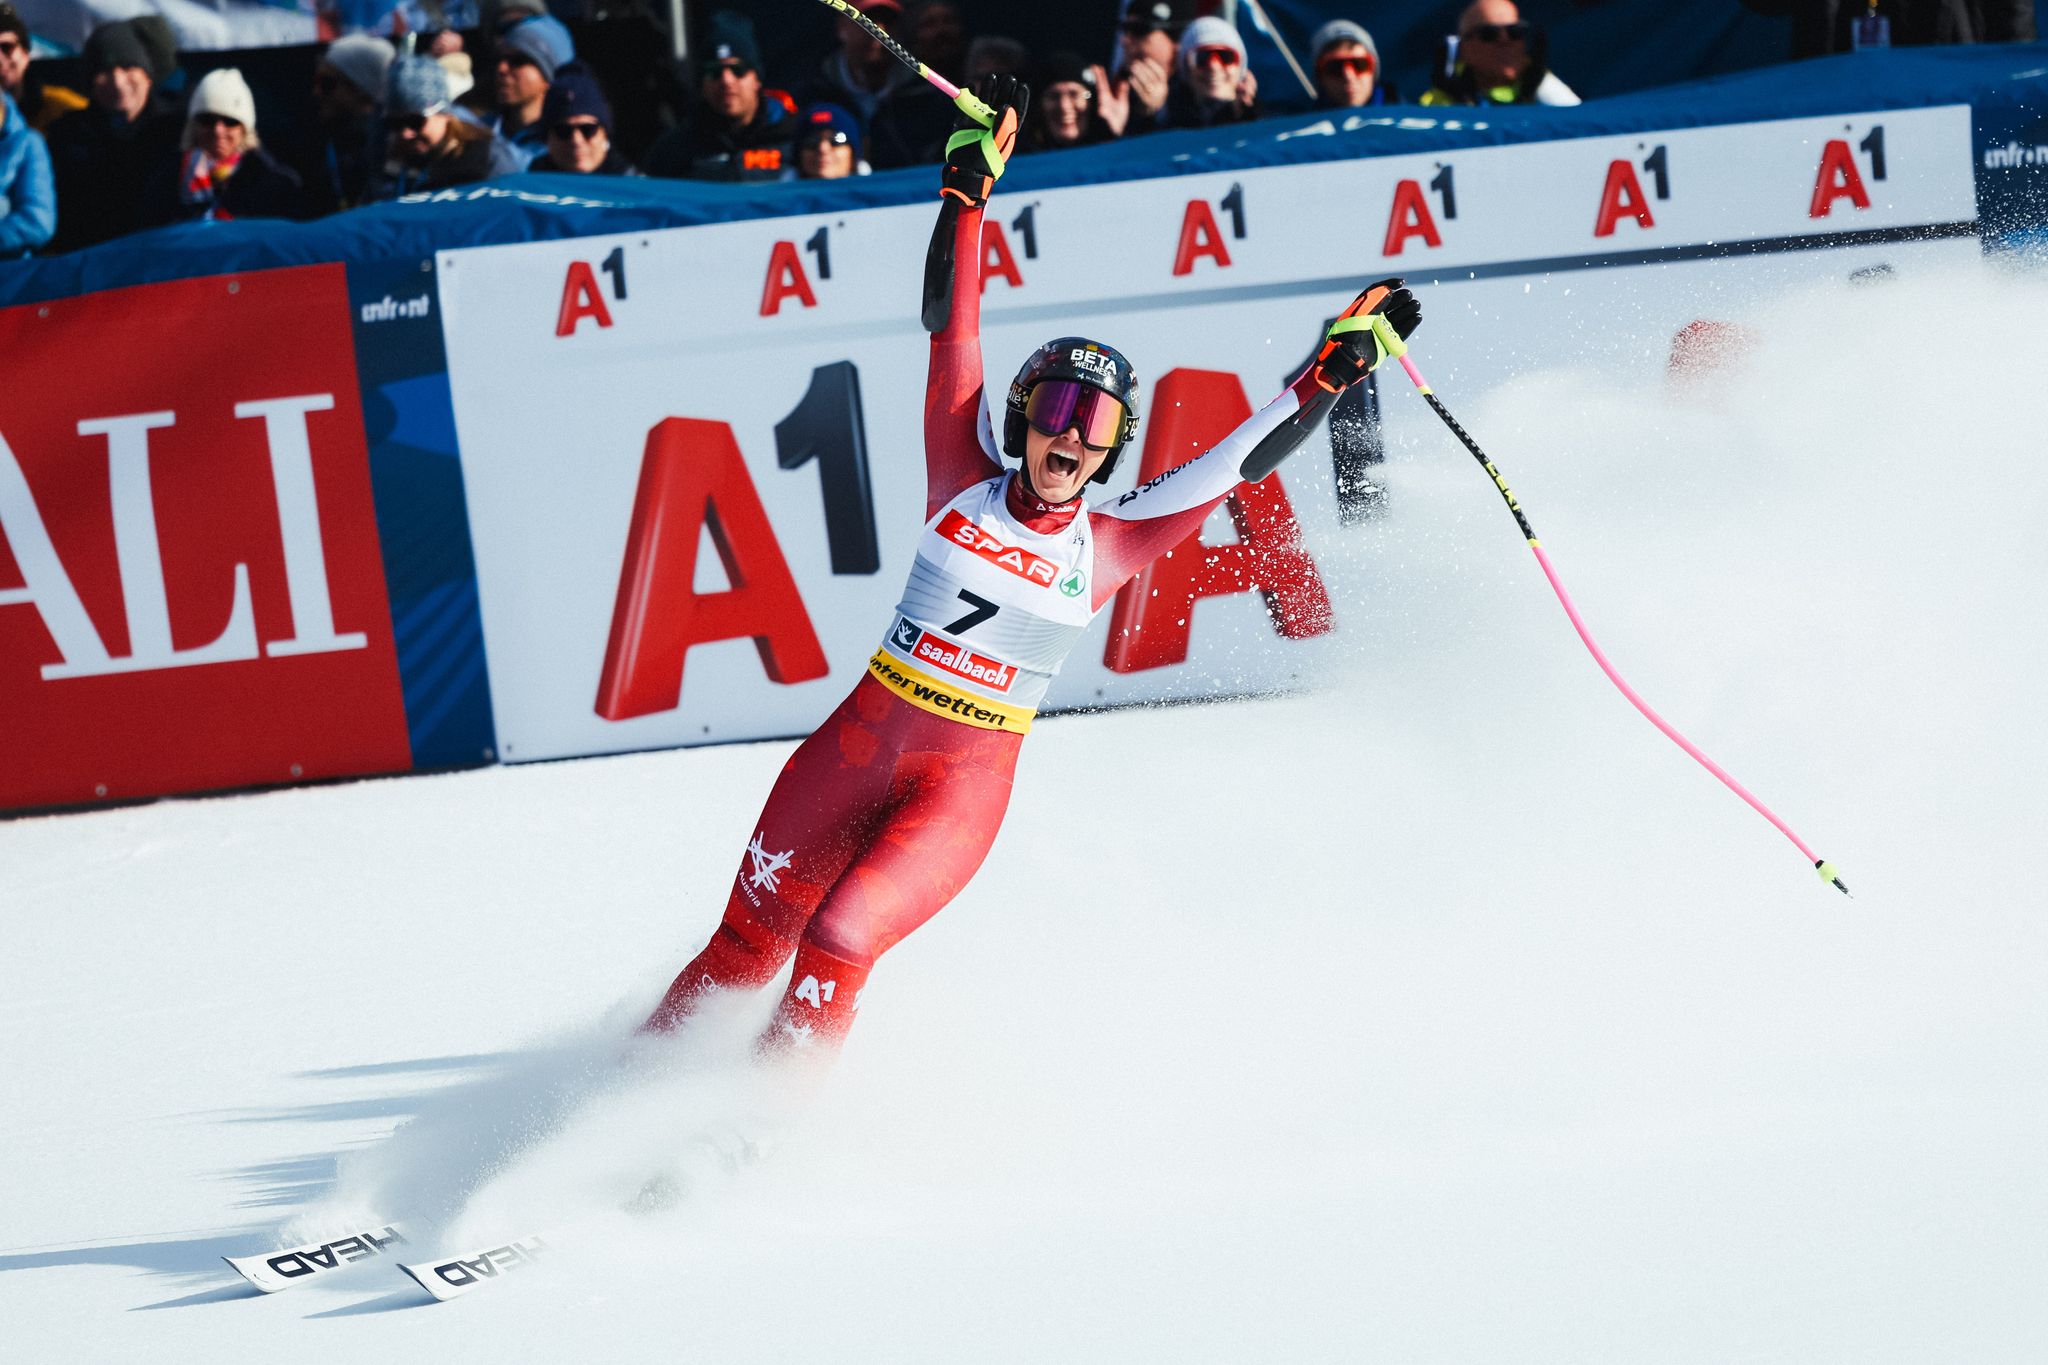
pixel 1838 179
pixel 1410 218
pixel 786 280
pixel 1198 237
pixel 581 298
pixel 1622 198
pixel 692 477
pixel 1150 624
pixel 996 257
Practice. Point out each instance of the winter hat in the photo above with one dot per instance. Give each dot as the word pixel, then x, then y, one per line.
pixel 543 41
pixel 12 22
pixel 1062 67
pixel 118 44
pixel 575 92
pixel 415 85
pixel 1147 16
pixel 461 73
pixel 1343 31
pixel 225 93
pixel 833 122
pixel 1208 31
pixel 731 39
pixel 362 60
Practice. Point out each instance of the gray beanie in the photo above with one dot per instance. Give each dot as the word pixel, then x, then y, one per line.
pixel 362 60
pixel 415 85
pixel 1342 31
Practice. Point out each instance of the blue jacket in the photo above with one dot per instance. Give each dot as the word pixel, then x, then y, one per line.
pixel 28 192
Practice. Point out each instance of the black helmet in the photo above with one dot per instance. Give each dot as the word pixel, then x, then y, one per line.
pixel 1087 362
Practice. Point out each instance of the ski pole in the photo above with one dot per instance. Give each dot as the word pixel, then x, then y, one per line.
pixel 1391 341
pixel 969 105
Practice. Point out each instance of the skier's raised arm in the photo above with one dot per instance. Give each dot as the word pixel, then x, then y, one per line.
pixel 1144 523
pixel 955 454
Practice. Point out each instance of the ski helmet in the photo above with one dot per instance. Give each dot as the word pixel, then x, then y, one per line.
pixel 1079 360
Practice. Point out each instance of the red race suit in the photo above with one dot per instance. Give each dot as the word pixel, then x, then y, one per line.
pixel 881 816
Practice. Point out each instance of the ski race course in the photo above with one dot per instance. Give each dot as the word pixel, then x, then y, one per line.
pixel 1440 1011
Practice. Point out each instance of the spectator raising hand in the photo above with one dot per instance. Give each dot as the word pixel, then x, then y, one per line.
pixel 1146 46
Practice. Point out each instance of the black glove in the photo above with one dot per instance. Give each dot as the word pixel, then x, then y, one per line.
pixel 1371 330
pixel 976 153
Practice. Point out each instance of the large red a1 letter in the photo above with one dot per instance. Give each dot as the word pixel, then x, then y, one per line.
pixel 581 298
pixel 1150 624
pixel 1622 197
pixel 1838 179
pixel 693 477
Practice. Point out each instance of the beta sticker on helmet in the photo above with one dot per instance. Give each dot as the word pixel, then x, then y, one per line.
pixel 1093 361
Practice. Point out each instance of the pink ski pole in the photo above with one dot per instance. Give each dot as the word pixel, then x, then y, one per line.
pixel 1391 342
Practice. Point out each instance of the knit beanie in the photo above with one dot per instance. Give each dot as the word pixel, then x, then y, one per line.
pixel 1208 31
pixel 117 44
pixel 731 39
pixel 575 92
pixel 225 93
pixel 415 85
pixel 362 60
pixel 543 41
pixel 1342 31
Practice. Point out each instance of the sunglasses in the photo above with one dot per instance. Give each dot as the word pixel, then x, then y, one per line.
pixel 1055 405
pixel 739 71
pixel 1216 56
pixel 587 131
pixel 11 48
pixel 216 121
pixel 1349 66
pixel 407 123
pixel 1497 33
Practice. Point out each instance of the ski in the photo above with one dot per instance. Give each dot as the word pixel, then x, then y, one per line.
pixel 453 1276
pixel 274 1270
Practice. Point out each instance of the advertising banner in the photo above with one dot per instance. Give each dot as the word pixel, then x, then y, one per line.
pixel 191 592
pixel 693 459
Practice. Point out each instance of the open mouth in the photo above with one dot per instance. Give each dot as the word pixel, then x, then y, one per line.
pixel 1061 466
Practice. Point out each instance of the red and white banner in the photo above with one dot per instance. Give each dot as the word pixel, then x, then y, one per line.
pixel 693 458
pixel 191 592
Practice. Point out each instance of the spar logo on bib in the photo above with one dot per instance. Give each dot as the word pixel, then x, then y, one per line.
pixel 1026 565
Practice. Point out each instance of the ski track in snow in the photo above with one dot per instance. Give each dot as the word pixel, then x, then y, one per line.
pixel 1444 1011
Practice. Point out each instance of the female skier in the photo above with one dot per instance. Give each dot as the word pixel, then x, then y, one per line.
pixel 881 816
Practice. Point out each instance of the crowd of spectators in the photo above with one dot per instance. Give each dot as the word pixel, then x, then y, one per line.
pixel 451 107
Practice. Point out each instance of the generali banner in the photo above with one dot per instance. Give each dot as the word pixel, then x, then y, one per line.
pixel 693 458
pixel 191 594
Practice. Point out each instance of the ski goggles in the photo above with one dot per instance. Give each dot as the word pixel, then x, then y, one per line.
pixel 1055 405
pixel 1497 33
pixel 1360 65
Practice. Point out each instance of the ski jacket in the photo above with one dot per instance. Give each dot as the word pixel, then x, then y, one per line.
pixel 1003 585
pixel 28 192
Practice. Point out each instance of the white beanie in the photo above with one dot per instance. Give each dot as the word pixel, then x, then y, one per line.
pixel 362 60
pixel 1342 31
pixel 225 93
pixel 1208 31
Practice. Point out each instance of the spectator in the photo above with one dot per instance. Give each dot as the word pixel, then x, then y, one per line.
pixel 739 130
pixel 1065 90
pixel 1823 26
pixel 1497 58
pixel 429 147
pixel 225 173
pixel 1347 67
pixel 936 35
pixel 828 144
pixel 1212 84
pixel 906 120
pixel 346 86
pixel 28 192
pixel 1146 46
pixel 530 51
pixel 578 120
pixel 992 54
pixel 109 155
pixel 41 105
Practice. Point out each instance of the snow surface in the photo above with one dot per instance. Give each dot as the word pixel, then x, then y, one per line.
pixel 1445 1012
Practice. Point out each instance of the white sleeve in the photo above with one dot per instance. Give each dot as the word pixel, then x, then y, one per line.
pixel 1206 477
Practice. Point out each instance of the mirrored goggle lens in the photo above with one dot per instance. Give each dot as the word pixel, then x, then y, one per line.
pixel 1058 404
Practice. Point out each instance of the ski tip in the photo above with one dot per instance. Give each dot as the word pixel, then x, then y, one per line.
pixel 1831 877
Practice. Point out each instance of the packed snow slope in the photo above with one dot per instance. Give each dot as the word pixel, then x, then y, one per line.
pixel 1441 1012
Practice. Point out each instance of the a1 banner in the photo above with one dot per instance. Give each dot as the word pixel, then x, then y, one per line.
pixel 191 593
